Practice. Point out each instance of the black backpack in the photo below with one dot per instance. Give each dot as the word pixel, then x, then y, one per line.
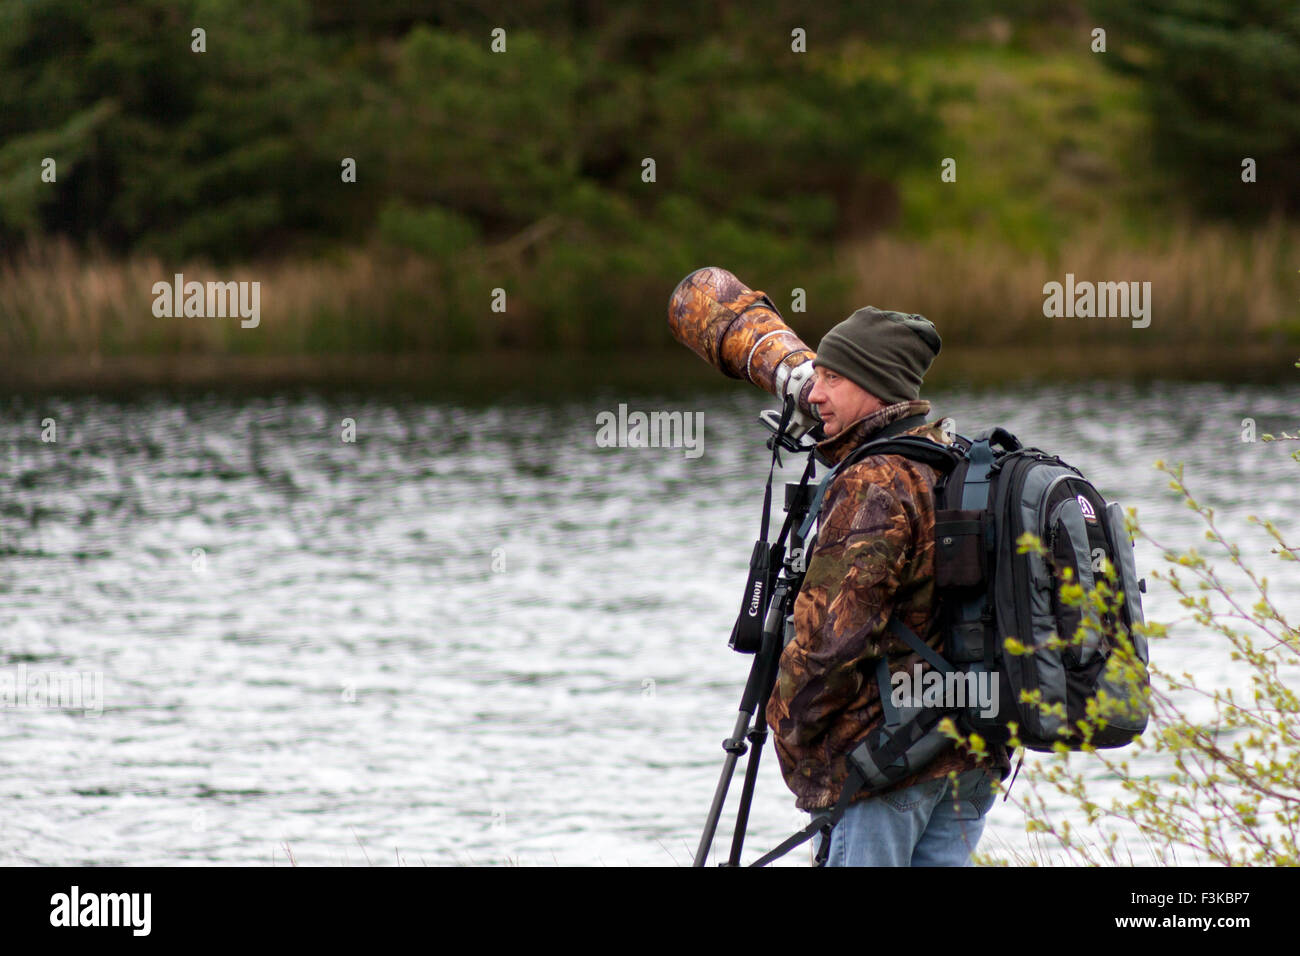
pixel 1002 612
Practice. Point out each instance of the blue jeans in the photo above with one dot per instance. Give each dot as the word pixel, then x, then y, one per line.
pixel 928 824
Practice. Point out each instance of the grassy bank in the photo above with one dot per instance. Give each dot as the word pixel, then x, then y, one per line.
pixel 1211 287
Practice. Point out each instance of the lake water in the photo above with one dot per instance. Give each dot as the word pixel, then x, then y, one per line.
pixel 471 635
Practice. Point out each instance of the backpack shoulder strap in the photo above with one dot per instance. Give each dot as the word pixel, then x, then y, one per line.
pixel 943 458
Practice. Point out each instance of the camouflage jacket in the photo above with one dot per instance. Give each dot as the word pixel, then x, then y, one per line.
pixel 873 556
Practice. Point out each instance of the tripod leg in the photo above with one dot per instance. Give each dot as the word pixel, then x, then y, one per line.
pixel 758 688
pixel 734 745
pixel 757 737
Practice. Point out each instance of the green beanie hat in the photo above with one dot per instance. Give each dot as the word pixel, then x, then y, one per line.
pixel 887 353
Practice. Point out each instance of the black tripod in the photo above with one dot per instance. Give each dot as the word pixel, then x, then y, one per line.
pixel 781 580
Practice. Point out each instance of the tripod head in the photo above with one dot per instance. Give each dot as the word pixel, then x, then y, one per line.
pixel 797 439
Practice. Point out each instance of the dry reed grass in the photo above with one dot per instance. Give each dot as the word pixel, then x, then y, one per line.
pixel 1211 286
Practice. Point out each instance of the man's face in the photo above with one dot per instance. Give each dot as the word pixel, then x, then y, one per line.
pixel 839 401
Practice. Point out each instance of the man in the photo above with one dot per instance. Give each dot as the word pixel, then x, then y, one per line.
pixel 873 556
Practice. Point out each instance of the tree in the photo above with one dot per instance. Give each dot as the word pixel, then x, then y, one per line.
pixel 1222 84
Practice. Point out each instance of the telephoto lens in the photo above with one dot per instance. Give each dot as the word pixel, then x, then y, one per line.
pixel 740 333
